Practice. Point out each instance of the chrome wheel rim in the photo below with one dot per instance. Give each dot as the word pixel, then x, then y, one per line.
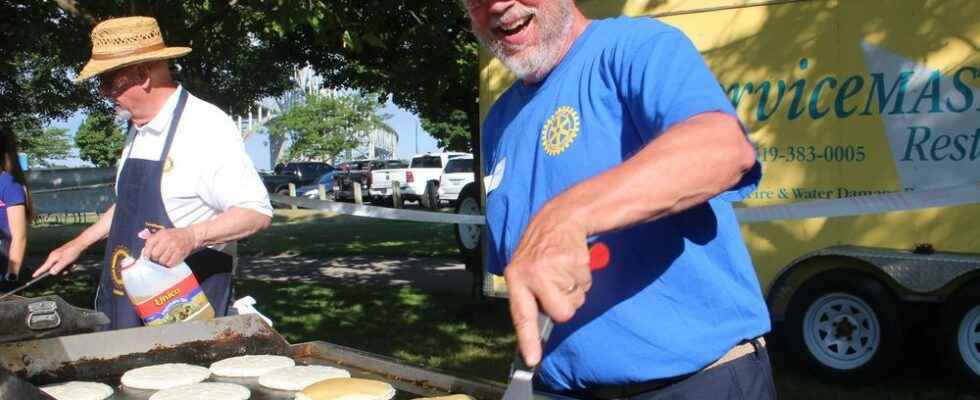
pixel 469 234
pixel 841 331
pixel 968 339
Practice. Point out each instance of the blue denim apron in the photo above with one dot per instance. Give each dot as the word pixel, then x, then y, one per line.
pixel 139 206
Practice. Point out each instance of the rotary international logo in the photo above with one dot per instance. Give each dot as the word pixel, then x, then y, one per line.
pixel 118 254
pixel 560 130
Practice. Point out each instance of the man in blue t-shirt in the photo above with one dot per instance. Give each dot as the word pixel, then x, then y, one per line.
pixel 617 133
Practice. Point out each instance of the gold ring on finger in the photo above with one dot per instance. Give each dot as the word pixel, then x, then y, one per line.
pixel 572 288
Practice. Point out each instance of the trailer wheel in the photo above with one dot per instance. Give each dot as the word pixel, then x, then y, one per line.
pixel 961 333
pixel 845 325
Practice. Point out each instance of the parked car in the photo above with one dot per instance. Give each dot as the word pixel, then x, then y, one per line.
pixel 458 173
pixel 419 182
pixel 313 190
pixel 359 172
pixel 298 173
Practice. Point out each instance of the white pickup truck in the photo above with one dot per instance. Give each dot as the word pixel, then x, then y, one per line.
pixel 419 182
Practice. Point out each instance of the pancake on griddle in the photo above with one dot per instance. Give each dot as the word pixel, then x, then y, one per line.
pixel 78 390
pixel 164 376
pixel 347 389
pixel 299 377
pixel 250 366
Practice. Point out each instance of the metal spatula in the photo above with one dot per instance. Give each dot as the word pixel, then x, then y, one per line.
pixel 24 286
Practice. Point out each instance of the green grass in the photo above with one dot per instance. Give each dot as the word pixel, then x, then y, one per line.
pixel 302 232
pixel 450 332
pixel 438 330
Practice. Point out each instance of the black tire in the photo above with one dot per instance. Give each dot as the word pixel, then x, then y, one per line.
pixel 430 199
pixel 961 316
pixel 850 306
pixel 469 237
pixel 281 192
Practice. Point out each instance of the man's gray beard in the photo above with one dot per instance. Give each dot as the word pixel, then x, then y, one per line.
pixel 533 67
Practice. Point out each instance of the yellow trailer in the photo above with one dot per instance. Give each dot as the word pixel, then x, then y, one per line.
pixel 852 105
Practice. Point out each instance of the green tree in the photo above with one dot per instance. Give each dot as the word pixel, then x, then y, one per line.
pixel 419 53
pixel 41 144
pixel 324 126
pixel 100 139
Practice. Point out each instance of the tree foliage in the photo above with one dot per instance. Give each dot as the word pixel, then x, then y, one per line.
pixel 417 52
pixel 325 126
pixel 39 46
pixel 100 139
pixel 42 145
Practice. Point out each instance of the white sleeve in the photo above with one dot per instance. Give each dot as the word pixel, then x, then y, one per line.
pixel 230 178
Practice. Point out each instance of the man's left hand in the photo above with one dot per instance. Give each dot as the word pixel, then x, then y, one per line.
pixel 169 247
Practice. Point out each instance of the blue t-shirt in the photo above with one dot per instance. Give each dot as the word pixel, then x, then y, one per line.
pixel 679 291
pixel 11 194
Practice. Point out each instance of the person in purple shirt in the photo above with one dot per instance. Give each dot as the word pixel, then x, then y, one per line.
pixel 15 210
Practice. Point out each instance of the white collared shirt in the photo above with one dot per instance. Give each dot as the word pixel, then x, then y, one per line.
pixel 208 172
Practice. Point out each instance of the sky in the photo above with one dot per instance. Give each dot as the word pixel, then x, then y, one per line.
pixel 411 136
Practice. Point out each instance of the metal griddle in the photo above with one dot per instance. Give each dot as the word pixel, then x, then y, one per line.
pixel 105 356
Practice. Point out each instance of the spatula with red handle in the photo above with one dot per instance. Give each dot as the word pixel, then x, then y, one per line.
pixel 521 374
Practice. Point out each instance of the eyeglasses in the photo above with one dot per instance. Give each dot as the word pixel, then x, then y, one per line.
pixel 112 82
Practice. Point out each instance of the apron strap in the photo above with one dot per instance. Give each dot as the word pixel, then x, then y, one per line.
pixel 178 112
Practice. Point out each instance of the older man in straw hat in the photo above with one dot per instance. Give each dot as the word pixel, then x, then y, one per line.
pixel 185 188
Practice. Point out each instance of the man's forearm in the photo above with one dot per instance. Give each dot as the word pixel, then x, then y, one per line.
pixel 689 164
pixel 234 224
pixel 97 231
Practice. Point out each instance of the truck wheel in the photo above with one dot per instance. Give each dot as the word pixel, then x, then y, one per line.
pixel 430 199
pixel 468 236
pixel 844 325
pixel 961 333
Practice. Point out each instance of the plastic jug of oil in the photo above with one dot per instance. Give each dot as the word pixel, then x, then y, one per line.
pixel 164 295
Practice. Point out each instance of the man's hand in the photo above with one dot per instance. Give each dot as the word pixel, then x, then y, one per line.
pixel 59 259
pixel 550 267
pixel 168 247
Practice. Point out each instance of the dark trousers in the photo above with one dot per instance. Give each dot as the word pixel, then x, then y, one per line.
pixel 746 378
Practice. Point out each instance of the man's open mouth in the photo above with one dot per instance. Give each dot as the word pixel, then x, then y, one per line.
pixel 515 27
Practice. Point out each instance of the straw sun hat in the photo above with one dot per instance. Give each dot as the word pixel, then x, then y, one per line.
pixel 121 42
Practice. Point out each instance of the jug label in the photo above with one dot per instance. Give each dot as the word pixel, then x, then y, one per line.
pixel 180 302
